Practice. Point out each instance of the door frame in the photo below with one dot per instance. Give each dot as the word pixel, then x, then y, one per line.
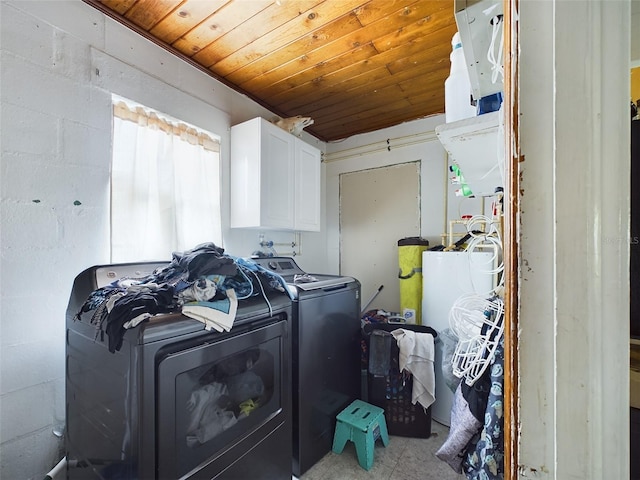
pixel 566 301
pixel 510 237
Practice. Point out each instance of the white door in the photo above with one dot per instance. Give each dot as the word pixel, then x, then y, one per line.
pixel 378 207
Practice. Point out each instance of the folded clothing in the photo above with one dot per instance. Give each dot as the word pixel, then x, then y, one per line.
pixel 218 315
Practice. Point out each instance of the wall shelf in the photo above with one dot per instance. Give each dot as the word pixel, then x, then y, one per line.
pixel 476 145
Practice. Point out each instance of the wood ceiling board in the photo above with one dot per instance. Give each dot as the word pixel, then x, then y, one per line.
pixel 418 59
pixel 361 93
pixel 411 64
pixel 432 81
pixel 253 30
pixel 436 28
pixel 310 79
pixel 419 46
pixel 310 20
pixel 366 80
pixel 281 93
pixel 353 36
pixel 224 20
pixel 347 108
pixel 371 111
pixel 118 6
pixel 398 105
pixel 426 98
pixel 374 11
pixel 330 110
pixel 185 18
pixel 306 50
pixel 146 13
pixel 419 95
pixel 395 91
pixel 334 38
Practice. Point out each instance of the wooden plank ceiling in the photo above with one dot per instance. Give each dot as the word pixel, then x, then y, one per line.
pixel 353 66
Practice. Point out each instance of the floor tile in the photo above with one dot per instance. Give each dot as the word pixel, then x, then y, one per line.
pixel 405 458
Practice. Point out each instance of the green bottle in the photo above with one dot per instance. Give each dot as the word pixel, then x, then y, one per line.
pixel 464 190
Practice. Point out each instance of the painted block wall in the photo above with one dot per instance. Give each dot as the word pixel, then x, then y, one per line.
pixel 54 189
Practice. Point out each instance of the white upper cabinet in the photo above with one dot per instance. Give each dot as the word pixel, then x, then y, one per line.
pixel 275 179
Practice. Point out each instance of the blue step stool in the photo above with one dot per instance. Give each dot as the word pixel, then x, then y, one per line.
pixel 363 424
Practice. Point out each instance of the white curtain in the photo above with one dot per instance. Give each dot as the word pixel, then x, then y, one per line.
pixel 165 187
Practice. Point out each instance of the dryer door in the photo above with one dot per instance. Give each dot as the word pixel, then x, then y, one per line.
pixel 218 399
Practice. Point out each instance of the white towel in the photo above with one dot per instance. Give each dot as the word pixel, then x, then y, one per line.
pixel 417 353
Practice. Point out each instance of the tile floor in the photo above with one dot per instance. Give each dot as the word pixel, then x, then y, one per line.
pixel 404 458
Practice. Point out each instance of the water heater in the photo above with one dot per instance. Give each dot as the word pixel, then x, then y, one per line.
pixel 447 276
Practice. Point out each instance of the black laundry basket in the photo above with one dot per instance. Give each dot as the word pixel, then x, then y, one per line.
pixel 392 391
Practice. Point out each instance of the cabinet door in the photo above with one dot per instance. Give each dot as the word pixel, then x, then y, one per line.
pixel 275 179
pixel 277 170
pixel 262 176
pixel 307 191
pixel 245 175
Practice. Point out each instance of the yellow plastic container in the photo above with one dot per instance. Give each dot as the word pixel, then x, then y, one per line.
pixel 410 274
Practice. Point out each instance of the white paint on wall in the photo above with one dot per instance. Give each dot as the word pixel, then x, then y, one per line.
pixel 574 231
pixel 433 175
pixel 411 141
pixel 536 337
pixel 378 207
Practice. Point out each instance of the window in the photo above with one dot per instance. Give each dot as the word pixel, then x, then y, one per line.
pixel 165 185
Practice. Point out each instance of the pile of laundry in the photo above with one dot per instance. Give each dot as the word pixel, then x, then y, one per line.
pixel 203 283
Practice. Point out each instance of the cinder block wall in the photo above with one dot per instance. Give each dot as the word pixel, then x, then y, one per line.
pixel 54 189
pixel 60 63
